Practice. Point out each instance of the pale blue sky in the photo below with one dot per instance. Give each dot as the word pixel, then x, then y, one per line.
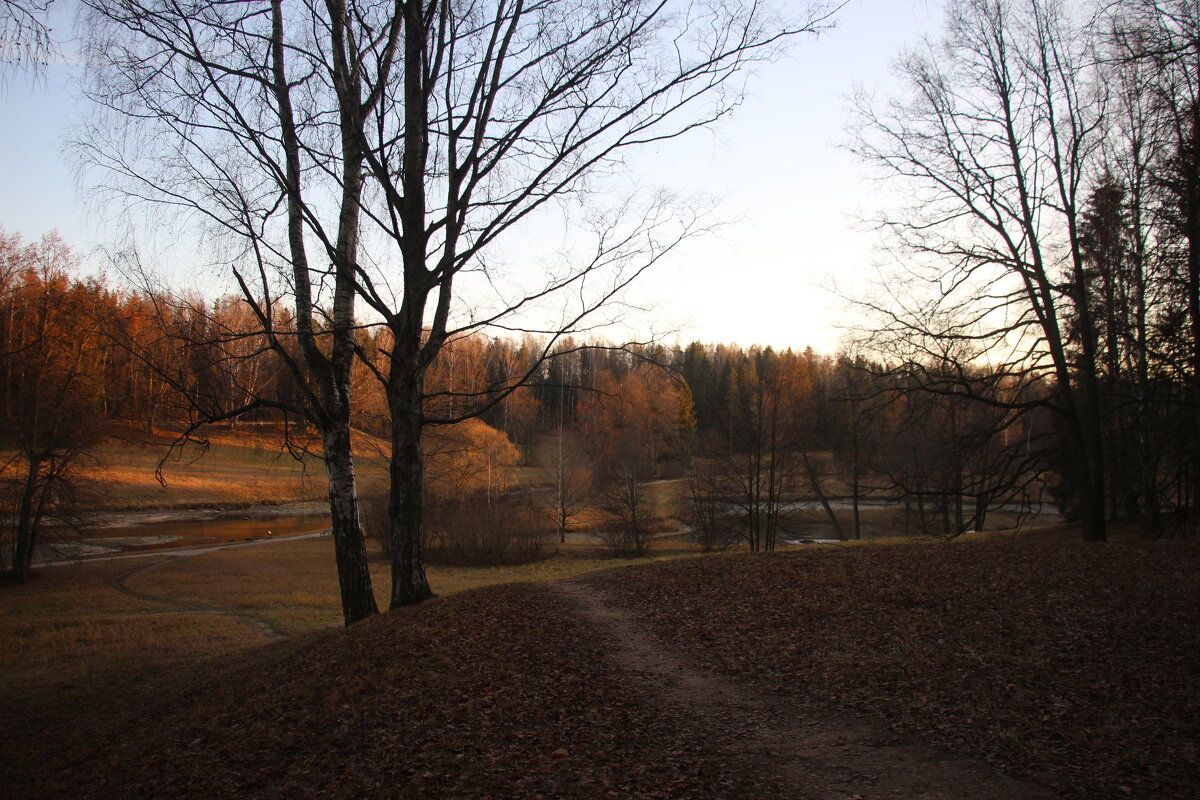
pixel 776 166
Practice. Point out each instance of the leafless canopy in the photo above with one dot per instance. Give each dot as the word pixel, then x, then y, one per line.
pixel 25 42
pixel 374 151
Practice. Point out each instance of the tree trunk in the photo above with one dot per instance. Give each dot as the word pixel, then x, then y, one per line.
pixel 26 526
pixel 854 482
pixel 815 481
pixel 562 488
pixel 1088 454
pixel 634 504
pixel 980 516
pixel 354 574
pixel 405 506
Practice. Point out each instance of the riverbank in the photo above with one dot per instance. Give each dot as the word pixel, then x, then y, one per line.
pixel 136 532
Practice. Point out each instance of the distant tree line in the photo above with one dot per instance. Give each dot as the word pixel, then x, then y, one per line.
pixel 757 433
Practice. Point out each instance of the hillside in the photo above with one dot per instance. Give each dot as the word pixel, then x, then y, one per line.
pixel 1002 669
pixel 241 466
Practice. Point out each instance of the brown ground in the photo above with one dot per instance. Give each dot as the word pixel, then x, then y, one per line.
pixel 1005 670
pixel 1068 665
pixel 809 754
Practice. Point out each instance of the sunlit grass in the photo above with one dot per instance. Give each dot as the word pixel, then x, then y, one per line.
pixel 239 466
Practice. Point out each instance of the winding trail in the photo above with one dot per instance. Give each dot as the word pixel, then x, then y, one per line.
pixel 256 624
pixel 809 757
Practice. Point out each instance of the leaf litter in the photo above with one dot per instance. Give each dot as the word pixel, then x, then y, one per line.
pixel 1073 666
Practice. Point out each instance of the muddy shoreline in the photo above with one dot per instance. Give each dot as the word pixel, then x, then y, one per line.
pixel 110 533
pixel 104 520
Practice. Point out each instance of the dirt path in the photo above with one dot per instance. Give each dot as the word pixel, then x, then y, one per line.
pixel 256 624
pixel 807 757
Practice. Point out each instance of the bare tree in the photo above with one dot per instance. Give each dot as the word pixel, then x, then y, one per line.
pixel 25 42
pixel 711 513
pixel 428 130
pixel 627 497
pixel 571 481
pixel 995 140
pixel 504 107
pixel 248 122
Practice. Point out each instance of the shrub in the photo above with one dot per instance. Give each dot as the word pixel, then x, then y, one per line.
pixel 470 529
pixel 510 529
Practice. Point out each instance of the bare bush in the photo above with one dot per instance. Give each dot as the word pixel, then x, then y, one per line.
pixel 373 512
pixel 708 513
pixel 471 530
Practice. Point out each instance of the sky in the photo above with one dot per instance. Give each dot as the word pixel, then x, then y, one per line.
pixel 791 198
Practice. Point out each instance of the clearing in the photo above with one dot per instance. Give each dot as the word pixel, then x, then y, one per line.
pixel 1010 668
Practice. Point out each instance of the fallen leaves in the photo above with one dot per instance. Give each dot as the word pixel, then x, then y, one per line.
pixel 1073 663
pixel 499 693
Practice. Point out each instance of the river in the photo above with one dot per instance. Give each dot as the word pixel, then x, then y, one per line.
pixel 113 533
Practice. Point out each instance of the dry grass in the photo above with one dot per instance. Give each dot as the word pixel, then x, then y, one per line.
pixel 281 574
pixel 71 624
pixel 73 592
pixel 239 467
pixel 139 615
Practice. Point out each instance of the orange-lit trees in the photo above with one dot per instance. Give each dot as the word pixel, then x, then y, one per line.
pixel 472 516
pixel 51 387
pixel 633 424
pixel 471 458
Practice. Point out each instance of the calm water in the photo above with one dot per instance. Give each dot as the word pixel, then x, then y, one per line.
pixel 155 532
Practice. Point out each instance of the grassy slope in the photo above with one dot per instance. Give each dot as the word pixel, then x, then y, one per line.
pixel 1074 664
pixel 71 624
pixel 479 695
pixel 239 467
